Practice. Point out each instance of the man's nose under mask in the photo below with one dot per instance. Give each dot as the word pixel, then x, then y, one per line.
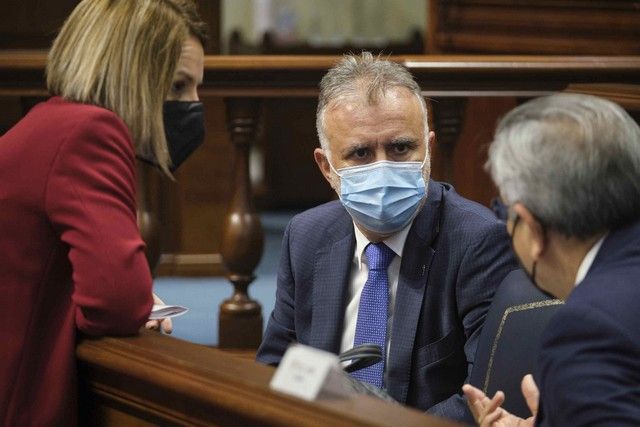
pixel 383 197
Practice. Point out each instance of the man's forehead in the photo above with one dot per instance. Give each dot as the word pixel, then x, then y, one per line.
pixel 361 96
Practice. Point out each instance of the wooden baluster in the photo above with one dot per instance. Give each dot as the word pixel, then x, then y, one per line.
pixel 240 323
pixel 148 200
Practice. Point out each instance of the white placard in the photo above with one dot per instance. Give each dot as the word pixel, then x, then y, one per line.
pixel 161 311
pixel 307 372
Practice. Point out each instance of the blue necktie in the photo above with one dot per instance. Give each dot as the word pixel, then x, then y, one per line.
pixel 371 326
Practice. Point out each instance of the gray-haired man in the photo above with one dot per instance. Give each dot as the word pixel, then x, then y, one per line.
pixel 569 168
pixel 390 263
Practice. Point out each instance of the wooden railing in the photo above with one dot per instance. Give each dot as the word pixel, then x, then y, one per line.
pixel 244 81
pixel 152 379
pixel 22 71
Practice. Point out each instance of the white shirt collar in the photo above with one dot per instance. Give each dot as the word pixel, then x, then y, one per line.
pixel 588 259
pixel 395 242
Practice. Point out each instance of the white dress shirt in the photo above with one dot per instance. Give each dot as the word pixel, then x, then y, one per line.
pixel 588 259
pixel 358 277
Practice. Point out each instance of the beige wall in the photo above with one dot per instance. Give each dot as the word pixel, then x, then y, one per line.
pixel 325 21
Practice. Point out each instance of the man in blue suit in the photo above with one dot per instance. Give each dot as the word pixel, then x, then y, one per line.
pixel 443 256
pixel 568 166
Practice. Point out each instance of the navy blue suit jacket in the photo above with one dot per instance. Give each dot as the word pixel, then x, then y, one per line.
pixel 455 255
pixel 589 367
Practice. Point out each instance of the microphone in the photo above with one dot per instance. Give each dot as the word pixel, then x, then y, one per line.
pixel 361 356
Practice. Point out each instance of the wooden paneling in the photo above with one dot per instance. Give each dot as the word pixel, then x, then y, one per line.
pixel 194 209
pixel 152 379
pixel 10 112
pixel 470 178
pixel 292 179
pixel 480 87
pixel 587 27
pixel 194 205
pixel 198 200
pixel 209 11
pixel 32 24
pixel 550 27
pixel 628 96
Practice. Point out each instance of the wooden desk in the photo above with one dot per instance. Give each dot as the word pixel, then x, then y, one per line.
pixel 153 379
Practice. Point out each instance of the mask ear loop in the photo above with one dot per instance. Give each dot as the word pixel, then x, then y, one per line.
pixel 426 156
pixel 326 155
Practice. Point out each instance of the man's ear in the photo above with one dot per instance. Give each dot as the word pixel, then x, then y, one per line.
pixel 431 140
pixel 323 164
pixel 533 230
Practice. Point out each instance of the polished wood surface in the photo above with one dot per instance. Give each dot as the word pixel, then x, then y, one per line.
pixel 21 73
pixel 242 239
pixel 33 24
pixel 196 204
pixel 605 27
pixel 152 379
pixel 628 96
pixel 149 196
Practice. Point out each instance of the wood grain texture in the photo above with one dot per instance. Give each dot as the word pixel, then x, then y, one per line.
pixel 584 27
pixel 298 76
pixel 194 207
pixel 35 23
pixel 154 379
pixel 243 239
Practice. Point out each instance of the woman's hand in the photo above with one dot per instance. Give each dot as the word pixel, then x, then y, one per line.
pixel 165 324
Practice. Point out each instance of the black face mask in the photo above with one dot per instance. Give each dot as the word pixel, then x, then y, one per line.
pixel 532 275
pixel 184 129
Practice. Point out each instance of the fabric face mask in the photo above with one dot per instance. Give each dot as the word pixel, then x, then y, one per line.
pixel 384 196
pixel 184 129
pixel 531 276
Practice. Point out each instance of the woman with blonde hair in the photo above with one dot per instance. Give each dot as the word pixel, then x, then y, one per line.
pixel 73 258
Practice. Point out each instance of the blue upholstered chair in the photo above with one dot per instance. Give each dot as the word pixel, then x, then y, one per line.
pixel 509 341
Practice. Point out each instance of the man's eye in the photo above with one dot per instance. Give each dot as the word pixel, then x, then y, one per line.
pixel 360 153
pixel 400 148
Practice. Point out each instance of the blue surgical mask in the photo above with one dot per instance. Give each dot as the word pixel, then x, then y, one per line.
pixel 383 197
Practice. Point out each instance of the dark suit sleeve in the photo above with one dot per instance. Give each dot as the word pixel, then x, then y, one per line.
pixel 90 202
pixel 280 330
pixel 589 371
pixel 485 264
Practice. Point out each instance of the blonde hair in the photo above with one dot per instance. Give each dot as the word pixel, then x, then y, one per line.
pixel 121 55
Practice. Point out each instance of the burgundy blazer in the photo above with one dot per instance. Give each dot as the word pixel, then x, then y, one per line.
pixel 71 255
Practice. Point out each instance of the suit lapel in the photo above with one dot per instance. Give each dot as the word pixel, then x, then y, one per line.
pixel 414 272
pixel 330 284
